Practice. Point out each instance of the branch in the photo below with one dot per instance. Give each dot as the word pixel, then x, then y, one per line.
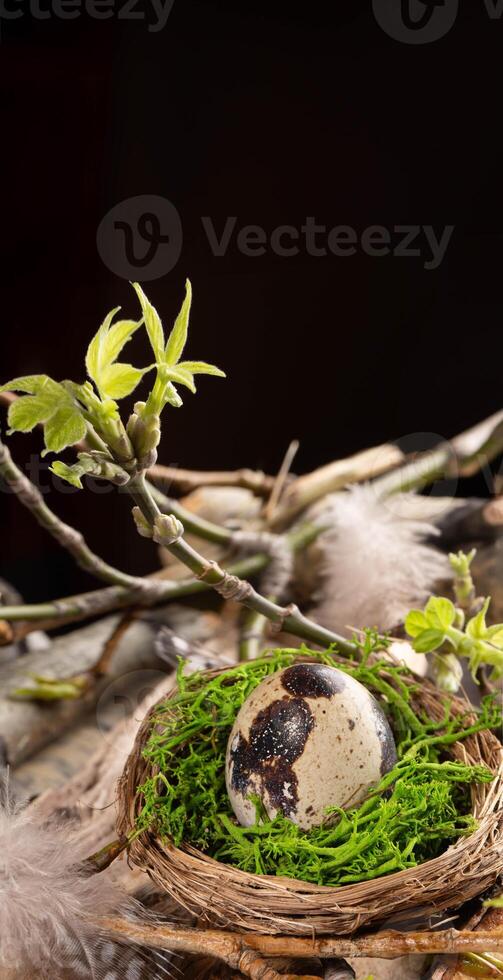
pixel 70 539
pixel 464 455
pixel 187 480
pixel 194 525
pixel 386 945
pixel 334 476
pixel 49 615
pixel 167 531
pixel 252 636
pixel 198 526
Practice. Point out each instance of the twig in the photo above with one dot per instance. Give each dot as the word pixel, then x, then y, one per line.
pixel 168 532
pixel 464 455
pixel 70 539
pixel 334 476
pixel 387 945
pixel 187 480
pixel 49 615
pixel 252 636
pixel 281 478
pixel 485 918
pixel 194 524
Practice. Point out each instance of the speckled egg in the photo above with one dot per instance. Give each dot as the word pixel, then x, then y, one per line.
pixel 307 738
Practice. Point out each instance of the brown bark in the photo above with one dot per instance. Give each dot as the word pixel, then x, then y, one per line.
pixel 386 945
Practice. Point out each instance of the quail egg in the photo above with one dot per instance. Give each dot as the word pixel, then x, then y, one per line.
pixel 307 738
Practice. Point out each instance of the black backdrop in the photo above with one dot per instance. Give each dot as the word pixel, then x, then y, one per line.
pixel 268 113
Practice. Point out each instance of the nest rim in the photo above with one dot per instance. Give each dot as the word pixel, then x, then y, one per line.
pixel 221 895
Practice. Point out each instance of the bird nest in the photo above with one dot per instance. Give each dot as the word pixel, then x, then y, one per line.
pixel 222 895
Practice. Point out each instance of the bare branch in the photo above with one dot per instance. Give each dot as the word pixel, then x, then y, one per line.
pixel 228 946
pixel 187 480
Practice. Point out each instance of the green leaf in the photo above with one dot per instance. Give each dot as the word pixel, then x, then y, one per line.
pixel 152 322
pixel 50 404
pixel 105 347
pixel 178 336
pixel 31 384
pixel 416 622
pixel 200 367
pixel 428 640
pixel 182 377
pixel 65 427
pixel 71 474
pixel 495 635
pixel 440 613
pixel 119 380
pixel 94 356
pixel 476 627
pixel 118 336
pixel 26 413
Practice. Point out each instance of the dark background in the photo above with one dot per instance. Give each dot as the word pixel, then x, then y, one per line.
pixel 270 112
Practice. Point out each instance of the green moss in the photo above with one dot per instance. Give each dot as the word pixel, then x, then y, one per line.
pixel 416 811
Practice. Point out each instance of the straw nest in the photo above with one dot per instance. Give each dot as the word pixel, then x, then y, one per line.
pixel 223 896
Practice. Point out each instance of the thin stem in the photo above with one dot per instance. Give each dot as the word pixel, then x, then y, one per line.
pixel 70 539
pixel 48 615
pixel 289 619
pixel 192 523
pixel 252 636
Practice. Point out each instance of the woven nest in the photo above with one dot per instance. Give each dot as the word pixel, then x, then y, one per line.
pixel 220 895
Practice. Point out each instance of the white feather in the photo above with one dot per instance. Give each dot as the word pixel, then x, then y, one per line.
pixel 49 905
pixel 376 564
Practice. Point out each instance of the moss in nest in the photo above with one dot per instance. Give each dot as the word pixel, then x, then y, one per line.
pixel 415 812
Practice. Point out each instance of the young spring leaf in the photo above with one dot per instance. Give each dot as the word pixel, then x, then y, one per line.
pixel 64 428
pixel 170 370
pixel 428 640
pixel 182 377
pixel 476 627
pixel 120 380
pixel 200 367
pixel 440 613
pixel 113 379
pixel 178 336
pixel 70 474
pixel 416 622
pixel 50 404
pixel 152 323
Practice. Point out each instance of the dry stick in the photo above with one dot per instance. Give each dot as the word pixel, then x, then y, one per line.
pixel 281 478
pixel 464 455
pixel 187 480
pixel 386 945
pixel 488 919
pixel 334 476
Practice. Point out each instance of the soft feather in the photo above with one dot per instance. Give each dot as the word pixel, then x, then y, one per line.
pixel 376 564
pixel 49 904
